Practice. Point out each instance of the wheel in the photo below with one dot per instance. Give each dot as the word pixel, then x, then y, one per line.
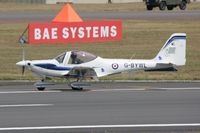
pixel 182 6
pixel 149 7
pixel 170 7
pixel 162 6
pixel 41 88
pixel 77 88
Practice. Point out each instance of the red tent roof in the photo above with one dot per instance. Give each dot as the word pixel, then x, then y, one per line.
pixel 67 14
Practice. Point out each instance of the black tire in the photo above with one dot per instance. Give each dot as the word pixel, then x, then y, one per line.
pixel 41 88
pixel 170 7
pixel 149 7
pixel 182 5
pixel 162 6
pixel 77 89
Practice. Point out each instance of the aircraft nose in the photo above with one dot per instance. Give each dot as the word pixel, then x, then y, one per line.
pixel 21 63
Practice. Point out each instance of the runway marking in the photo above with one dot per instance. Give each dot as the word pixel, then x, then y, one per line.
pixel 118 90
pixel 25 105
pixel 144 89
pixel 189 88
pixel 100 90
pixel 26 92
pixel 100 126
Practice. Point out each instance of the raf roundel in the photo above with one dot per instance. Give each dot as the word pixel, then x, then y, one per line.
pixel 115 66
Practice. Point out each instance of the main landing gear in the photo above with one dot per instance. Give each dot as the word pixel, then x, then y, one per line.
pixel 77 85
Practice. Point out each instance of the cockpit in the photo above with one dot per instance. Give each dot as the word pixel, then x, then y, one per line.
pixel 75 57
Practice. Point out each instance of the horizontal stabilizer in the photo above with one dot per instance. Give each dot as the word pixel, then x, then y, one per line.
pixel 169 69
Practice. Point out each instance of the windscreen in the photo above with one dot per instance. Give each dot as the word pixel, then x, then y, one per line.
pixel 60 57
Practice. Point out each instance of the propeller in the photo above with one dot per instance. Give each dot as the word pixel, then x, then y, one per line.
pixel 22 64
pixel 23 59
pixel 23 70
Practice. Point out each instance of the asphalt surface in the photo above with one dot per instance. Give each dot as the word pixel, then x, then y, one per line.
pixel 138 15
pixel 123 104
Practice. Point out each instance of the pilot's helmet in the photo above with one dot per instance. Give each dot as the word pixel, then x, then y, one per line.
pixel 73 55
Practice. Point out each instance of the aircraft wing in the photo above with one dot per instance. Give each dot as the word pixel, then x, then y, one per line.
pixel 82 72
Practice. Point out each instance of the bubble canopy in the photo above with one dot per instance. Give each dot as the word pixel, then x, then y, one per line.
pixel 76 57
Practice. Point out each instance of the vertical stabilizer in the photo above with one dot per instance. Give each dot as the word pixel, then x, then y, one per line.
pixel 174 50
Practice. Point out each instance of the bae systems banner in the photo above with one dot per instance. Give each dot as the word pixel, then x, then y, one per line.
pixel 107 30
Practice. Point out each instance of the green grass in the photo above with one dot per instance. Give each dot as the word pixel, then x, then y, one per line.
pixel 138 6
pixel 141 39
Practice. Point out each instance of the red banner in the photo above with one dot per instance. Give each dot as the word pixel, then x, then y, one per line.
pixel 93 31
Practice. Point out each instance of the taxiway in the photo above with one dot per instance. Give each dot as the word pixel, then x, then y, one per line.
pixel 137 15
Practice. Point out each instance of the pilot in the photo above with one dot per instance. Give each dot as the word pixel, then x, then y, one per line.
pixel 75 60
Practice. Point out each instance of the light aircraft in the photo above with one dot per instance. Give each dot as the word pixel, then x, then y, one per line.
pixel 82 65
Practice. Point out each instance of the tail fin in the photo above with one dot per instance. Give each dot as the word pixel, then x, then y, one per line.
pixel 174 50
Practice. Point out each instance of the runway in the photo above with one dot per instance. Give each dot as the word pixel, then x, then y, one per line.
pixel 137 15
pixel 103 107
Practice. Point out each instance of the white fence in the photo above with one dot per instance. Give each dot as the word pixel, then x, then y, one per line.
pixel 91 1
pixel 94 1
pixel 72 1
pixel 25 1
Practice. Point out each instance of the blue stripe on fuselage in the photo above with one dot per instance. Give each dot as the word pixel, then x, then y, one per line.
pixel 174 38
pixel 52 67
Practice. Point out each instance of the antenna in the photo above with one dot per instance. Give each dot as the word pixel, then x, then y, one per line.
pixel 22 41
pixel 23 53
pixel 133 55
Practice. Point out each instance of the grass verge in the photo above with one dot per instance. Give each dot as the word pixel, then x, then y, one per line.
pixel 141 39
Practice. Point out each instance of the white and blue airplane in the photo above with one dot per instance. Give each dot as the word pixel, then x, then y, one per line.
pixel 82 65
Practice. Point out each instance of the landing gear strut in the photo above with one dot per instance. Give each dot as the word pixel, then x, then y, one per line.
pixel 78 85
pixel 40 85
